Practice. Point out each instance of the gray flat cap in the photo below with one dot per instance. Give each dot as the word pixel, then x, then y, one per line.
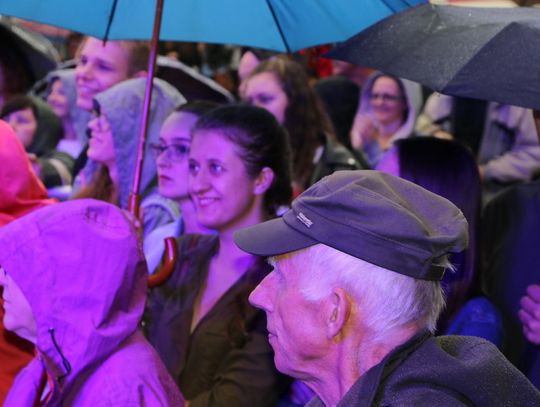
pixel 377 217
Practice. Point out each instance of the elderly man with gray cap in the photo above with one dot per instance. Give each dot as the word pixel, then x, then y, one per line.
pixel 355 294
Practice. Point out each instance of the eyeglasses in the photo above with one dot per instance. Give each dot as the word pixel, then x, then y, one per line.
pixel 385 97
pixel 174 152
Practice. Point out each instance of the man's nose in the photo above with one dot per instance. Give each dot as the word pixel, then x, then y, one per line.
pixel 260 297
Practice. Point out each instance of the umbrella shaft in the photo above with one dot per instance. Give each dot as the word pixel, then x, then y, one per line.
pixel 147 102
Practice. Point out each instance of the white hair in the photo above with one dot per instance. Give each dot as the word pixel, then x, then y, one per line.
pixel 388 300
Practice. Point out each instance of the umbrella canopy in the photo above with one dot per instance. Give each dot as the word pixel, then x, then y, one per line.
pixel 483 53
pixel 281 25
pixel 191 83
pixel 38 52
pixel 187 80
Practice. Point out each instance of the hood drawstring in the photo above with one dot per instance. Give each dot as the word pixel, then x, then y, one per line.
pixel 65 362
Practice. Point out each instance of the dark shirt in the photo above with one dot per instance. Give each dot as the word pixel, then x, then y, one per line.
pixel 511 230
pixel 226 360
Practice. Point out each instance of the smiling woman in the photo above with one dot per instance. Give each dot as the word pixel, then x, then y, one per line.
pixel 212 341
pixel 385 114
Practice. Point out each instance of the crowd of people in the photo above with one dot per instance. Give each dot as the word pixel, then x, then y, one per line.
pixel 341 240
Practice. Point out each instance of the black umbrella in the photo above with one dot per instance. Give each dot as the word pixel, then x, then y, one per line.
pixel 482 53
pixel 36 52
pixel 192 84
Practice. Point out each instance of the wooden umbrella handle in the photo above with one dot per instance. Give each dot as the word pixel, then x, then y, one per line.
pixel 163 274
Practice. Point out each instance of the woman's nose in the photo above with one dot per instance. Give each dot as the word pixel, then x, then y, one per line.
pixel 199 181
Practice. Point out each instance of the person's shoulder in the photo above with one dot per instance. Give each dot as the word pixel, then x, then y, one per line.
pixel 132 373
pixel 449 370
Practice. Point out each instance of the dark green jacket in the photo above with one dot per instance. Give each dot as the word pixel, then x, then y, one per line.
pixel 227 360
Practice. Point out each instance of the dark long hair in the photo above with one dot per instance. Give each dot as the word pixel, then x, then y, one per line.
pixel 449 169
pixel 101 187
pixel 263 143
pixel 306 121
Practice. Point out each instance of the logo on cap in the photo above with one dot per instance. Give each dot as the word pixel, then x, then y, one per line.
pixel 304 219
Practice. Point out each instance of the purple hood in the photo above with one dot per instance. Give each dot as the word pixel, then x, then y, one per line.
pixel 81 268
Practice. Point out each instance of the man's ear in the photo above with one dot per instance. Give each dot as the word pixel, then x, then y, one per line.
pixel 139 74
pixel 339 311
pixel 264 181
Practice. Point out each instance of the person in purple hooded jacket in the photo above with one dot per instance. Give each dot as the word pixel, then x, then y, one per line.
pixel 74 281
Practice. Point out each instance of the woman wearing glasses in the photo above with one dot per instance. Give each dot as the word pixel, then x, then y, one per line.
pixel 112 148
pixel 171 154
pixel 385 114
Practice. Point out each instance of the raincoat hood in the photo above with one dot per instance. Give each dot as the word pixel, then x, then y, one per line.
pixel 79 117
pixel 21 191
pixel 122 104
pixel 81 268
pixel 67 77
pixel 407 127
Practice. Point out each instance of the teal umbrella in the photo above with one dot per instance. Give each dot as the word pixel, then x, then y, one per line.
pixel 280 25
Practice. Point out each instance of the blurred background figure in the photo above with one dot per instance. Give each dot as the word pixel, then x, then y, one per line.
pixel 502 137
pixel 386 113
pixel 61 95
pixel 281 87
pixel 448 169
pixel 21 192
pixel 40 131
pixel 340 97
pixel 511 221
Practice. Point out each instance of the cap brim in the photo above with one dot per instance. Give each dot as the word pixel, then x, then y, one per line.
pixel 271 238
